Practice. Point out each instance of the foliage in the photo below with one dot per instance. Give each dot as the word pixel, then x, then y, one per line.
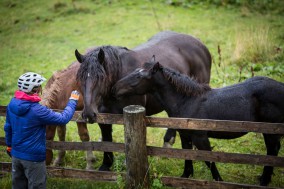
pixel 263 6
pixel 119 166
pixel 156 176
pixel 254 46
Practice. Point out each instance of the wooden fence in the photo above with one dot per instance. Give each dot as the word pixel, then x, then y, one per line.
pixel 136 151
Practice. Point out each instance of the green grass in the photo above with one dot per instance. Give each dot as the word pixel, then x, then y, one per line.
pixel 41 36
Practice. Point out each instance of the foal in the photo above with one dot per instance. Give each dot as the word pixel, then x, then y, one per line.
pixel 257 99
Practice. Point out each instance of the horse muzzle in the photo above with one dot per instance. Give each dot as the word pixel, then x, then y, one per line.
pixel 89 117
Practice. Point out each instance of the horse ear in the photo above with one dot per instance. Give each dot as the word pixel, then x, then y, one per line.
pixel 79 57
pixel 156 67
pixel 101 56
pixel 153 59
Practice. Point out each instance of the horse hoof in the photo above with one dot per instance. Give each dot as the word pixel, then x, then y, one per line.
pixel 167 145
pixel 92 159
pixel 264 181
pixel 219 179
pixel 90 167
pixel 172 141
pixel 104 168
pixel 57 163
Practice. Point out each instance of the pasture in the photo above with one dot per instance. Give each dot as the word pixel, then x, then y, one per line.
pixel 41 36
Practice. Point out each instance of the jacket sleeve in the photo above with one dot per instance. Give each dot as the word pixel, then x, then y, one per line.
pixel 8 130
pixel 50 117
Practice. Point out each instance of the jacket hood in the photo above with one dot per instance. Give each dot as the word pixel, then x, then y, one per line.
pixel 19 107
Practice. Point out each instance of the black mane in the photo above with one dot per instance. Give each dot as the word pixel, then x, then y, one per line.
pixel 184 84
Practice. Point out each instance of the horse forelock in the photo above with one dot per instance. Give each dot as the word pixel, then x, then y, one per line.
pixel 184 84
pixel 103 75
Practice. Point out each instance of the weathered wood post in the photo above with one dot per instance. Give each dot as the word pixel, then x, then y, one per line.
pixel 137 175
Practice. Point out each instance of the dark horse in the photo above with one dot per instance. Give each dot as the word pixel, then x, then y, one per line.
pixel 105 65
pixel 257 99
pixel 56 95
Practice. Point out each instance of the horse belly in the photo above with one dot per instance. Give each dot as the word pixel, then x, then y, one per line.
pixel 225 135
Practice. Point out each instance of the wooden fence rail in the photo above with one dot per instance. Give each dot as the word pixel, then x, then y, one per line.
pixel 199 155
pixel 176 123
pixel 186 123
pixel 175 182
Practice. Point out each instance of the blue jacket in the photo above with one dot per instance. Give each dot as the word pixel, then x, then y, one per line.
pixel 25 127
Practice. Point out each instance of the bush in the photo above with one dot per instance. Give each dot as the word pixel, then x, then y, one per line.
pixel 263 6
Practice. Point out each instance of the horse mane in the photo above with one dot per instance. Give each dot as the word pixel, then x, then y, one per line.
pixel 107 72
pixel 52 89
pixel 54 86
pixel 184 84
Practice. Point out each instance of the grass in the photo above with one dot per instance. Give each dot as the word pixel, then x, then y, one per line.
pixel 41 36
pixel 253 45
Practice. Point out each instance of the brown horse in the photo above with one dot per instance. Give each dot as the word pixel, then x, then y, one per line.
pixel 102 67
pixel 56 95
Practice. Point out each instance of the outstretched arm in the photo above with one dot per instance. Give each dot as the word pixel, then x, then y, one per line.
pixel 49 117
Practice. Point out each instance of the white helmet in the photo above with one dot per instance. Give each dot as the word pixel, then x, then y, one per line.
pixel 29 80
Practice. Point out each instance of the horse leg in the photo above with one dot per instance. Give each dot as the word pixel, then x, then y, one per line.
pixel 61 132
pixel 201 141
pixel 50 133
pixel 85 137
pixel 169 138
pixel 106 130
pixel 273 145
pixel 186 143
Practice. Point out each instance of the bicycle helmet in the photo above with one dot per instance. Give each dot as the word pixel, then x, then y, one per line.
pixel 29 80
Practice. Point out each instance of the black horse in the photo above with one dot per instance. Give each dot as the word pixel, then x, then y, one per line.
pixel 257 99
pixel 103 66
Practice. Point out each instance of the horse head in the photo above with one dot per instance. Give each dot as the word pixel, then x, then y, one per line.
pixel 93 81
pixel 138 82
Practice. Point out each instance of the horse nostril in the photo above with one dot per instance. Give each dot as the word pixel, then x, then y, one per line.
pixel 91 120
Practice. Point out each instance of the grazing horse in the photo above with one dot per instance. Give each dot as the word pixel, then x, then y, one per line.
pixel 56 95
pixel 105 65
pixel 257 99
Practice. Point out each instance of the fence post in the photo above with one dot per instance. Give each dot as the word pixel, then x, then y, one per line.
pixel 137 175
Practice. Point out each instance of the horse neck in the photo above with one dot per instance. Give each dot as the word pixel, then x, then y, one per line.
pixel 168 96
pixel 58 88
pixel 112 73
pixel 175 90
pixel 116 67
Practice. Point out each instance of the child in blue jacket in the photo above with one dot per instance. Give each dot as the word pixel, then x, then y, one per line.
pixel 25 125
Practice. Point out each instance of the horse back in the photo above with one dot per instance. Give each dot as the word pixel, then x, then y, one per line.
pixel 181 52
pixel 258 99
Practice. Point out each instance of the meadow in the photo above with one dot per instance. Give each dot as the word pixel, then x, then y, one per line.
pixel 245 40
